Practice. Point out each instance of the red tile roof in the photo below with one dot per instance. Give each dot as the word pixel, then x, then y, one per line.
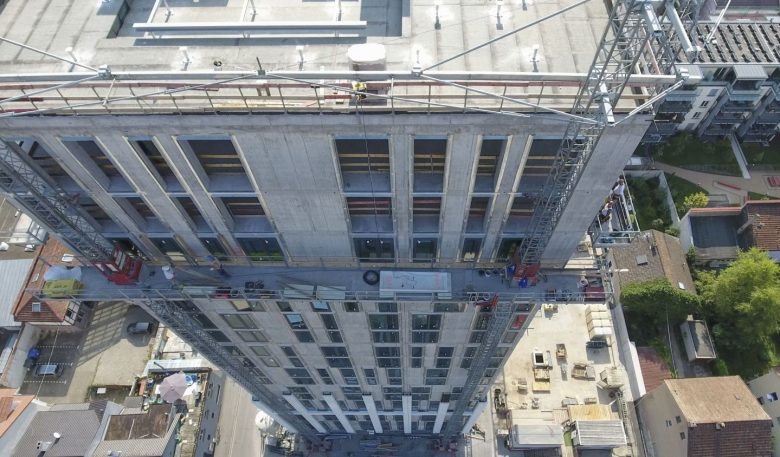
pixel 654 368
pixel 52 311
pixel 765 230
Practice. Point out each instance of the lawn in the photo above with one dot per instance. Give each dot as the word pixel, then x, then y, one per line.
pixel 681 188
pixel 687 151
pixel 757 154
pixel 757 196
pixel 650 203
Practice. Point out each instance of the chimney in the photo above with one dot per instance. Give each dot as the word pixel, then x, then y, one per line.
pixel 57 436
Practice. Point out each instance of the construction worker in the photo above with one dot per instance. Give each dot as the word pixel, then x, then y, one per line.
pixel 360 86
pixel 606 212
pixel 216 265
pixel 617 190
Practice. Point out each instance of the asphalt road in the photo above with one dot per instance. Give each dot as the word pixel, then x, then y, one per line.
pixel 236 431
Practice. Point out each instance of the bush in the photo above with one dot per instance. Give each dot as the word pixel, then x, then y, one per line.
pixel 719 368
pixel 697 200
pixel 673 231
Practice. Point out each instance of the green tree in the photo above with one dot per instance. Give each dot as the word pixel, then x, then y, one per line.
pixel 653 299
pixel 743 303
pixel 697 200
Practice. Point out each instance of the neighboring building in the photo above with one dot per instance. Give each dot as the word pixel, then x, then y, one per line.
pixel 705 417
pixel 73 430
pixel 696 337
pixel 54 260
pixel 650 255
pixel 16 413
pixel 766 389
pixel 738 93
pixel 150 433
pixel 718 234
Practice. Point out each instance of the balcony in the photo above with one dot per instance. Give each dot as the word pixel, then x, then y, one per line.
pixel 670 106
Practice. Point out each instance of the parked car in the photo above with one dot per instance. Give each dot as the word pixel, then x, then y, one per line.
pixel 48 370
pixel 140 328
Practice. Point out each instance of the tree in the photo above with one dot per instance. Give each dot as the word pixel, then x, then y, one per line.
pixel 697 200
pixel 743 304
pixel 655 298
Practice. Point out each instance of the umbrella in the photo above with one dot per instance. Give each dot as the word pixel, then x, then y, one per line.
pixel 172 387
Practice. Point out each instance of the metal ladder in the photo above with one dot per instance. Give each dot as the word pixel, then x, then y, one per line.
pixel 43 201
pixel 616 57
pixel 499 320
pixel 174 317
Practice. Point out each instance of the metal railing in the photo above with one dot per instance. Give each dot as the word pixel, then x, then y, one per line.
pixel 253 93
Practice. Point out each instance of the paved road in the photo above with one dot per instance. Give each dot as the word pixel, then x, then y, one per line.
pixel 238 436
pixel 709 182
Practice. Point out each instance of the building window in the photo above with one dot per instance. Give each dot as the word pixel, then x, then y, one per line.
pixel 424 249
pixel 393 376
pixel 697 115
pixel 682 435
pixel 252 336
pixel 239 321
pixel 292 356
pixel 336 356
pixel 507 248
pixel 388 356
pixel 352 306
pixel 448 307
pixel 243 206
pixel 468 357
pixel 217 156
pixel 300 376
pixel 325 376
pixel 387 307
pixel 471 249
pixel 215 248
pixel 425 214
pixel 418 353
pixel 678 419
pixel 374 249
pixel 487 165
pixel 261 249
pixel 350 377
pixel 260 351
pixel 370 214
pixel 320 306
pixel 444 357
pixel 668 423
pixel 170 248
pixel 430 156
pixel 365 164
pixel 436 376
pixel 140 207
pixel 370 375
pixel 284 306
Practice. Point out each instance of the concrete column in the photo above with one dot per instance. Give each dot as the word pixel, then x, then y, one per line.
pixel 194 181
pixel 94 182
pixel 368 400
pixel 401 163
pixel 295 177
pixel 463 154
pixel 148 183
pixel 441 413
pixel 474 416
pixel 605 165
pixel 336 409
pixel 406 403
pixel 268 410
pixel 515 157
pixel 295 403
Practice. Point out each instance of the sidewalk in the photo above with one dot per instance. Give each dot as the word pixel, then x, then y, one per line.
pixel 734 186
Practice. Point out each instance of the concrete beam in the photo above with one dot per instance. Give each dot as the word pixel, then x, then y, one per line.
pixel 606 162
pixel 473 417
pixel 462 156
pixel 406 404
pixel 336 409
pixel 368 400
pixel 401 172
pixel 441 413
pixel 298 406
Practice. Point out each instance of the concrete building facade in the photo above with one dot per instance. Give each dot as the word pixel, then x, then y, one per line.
pixel 298 185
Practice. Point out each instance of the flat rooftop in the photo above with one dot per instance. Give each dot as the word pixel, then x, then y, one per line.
pixel 741 42
pixel 112 33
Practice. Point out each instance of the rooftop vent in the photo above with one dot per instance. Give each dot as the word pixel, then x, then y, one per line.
pixel 641 260
pixel 367 57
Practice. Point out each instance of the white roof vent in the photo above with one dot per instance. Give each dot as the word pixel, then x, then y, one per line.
pixel 641 260
pixel 367 56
